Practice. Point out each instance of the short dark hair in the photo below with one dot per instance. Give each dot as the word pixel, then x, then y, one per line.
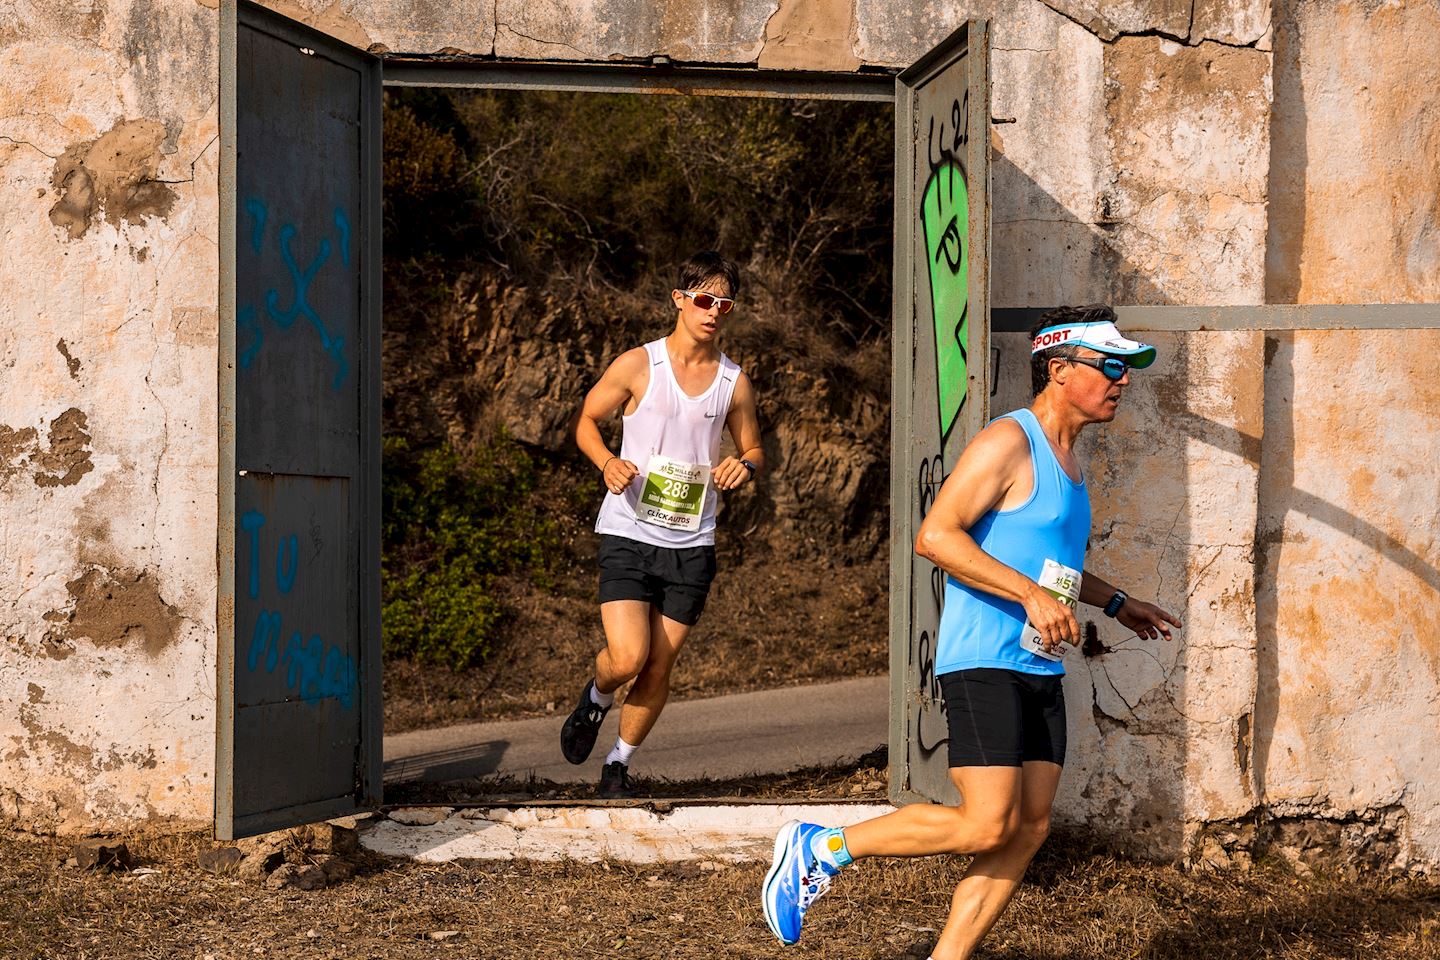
pixel 709 265
pixel 1060 316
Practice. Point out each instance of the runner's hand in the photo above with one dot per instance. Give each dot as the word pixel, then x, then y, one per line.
pixel 1146 619
pixel 1054 620
pixel 619 473
pixel 730 474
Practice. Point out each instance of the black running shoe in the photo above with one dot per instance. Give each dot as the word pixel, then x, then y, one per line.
pixel 615 782
pixel 577 737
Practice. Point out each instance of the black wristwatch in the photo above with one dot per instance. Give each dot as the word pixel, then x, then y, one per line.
pixel 749 466
pixel 1116 602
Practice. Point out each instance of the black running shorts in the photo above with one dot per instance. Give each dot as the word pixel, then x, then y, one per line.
pixel 1003 718
pixel 674 580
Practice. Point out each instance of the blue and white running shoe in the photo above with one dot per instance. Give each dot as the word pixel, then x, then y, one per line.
pixel 795 881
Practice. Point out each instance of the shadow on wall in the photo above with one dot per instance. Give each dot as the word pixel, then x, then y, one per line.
pixel 1285 226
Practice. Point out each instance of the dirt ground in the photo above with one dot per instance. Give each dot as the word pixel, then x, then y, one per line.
pixel 1078 904
pixel 834 626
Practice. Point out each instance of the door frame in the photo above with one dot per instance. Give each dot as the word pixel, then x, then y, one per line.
pixel 877 85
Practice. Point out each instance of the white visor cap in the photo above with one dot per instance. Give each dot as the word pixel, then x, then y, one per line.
pixel 1103 337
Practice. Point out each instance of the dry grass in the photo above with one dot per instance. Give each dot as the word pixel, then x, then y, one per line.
pixel 1079 904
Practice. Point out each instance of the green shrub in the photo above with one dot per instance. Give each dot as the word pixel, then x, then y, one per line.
pixel 453 522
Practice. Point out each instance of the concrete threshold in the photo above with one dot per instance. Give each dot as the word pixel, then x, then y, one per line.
pixel 649 832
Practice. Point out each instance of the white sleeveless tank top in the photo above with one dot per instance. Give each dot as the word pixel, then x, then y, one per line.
pixel 670 423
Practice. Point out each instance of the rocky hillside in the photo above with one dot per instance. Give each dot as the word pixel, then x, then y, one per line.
pixel 530 239
pixel 463 355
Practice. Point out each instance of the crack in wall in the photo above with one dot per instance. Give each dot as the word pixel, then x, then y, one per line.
pixel 1099 28
pixel 548 43
pixel 27 143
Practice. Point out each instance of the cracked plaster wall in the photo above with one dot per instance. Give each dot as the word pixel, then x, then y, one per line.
pixel 1349 551
pixel 1149 136
pixel 108 209
pixel 1349 541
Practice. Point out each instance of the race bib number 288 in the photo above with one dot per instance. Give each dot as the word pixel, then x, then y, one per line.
pixel 674 493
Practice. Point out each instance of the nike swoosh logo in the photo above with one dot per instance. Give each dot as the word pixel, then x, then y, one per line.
pixel 709 416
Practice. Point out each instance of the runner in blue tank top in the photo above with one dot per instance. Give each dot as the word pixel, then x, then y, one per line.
pixel 1009 528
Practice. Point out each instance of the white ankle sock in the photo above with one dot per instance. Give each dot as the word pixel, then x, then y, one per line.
pixel 622 752
pixel 601 699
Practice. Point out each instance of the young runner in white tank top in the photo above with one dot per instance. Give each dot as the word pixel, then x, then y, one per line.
pixel 657 522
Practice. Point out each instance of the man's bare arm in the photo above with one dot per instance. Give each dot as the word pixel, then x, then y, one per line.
pixel 1146 619
pixel 622 380
pixel 744 426
pixel 988 468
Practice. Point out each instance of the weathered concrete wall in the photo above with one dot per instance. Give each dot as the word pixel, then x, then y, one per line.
pixel 1349 603
pixel 1149 136
pixel 1348 565
pixel 1354 215
pixel 1141 135
pixel 108 210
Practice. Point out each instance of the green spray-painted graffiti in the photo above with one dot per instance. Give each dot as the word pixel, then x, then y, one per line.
pixel 945 217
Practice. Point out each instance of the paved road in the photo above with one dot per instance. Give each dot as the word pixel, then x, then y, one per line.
pixel 771 731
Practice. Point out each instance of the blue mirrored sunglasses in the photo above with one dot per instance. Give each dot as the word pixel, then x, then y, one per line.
pixel 1113 367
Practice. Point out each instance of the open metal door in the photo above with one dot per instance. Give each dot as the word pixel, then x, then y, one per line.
pixel 299 717
pixel 942 358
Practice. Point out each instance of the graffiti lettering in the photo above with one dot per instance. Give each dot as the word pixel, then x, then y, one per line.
pixel 945 223
pixel 937 149
pixel 301 280
pixel 314 670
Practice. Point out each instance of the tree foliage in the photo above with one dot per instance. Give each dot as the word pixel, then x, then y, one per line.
pixel 452 522
pixel 612 190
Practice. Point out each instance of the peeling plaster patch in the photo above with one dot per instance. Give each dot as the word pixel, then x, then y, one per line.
pixel 68 458
pixel 35 692
pixel 116 175
pixel 118 609
pixel 70 361
pixel 1376 838
pixel 70 752
pixel 811 35
pixel 15 446
pixel 1242 23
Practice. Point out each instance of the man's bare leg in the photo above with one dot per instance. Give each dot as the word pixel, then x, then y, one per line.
pixel 652 685
pixel 627 643
pixel 988 814
pixel 993 876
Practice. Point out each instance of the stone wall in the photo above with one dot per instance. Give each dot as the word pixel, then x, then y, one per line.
pixel 108 210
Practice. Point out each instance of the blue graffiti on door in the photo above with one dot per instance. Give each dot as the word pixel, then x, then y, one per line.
pixel 314 670
pixel 281 313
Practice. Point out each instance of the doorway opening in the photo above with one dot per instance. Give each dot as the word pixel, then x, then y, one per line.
pixel 532 236
pixel 299 734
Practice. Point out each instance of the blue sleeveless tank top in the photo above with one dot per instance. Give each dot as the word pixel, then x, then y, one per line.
pixel 979 629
